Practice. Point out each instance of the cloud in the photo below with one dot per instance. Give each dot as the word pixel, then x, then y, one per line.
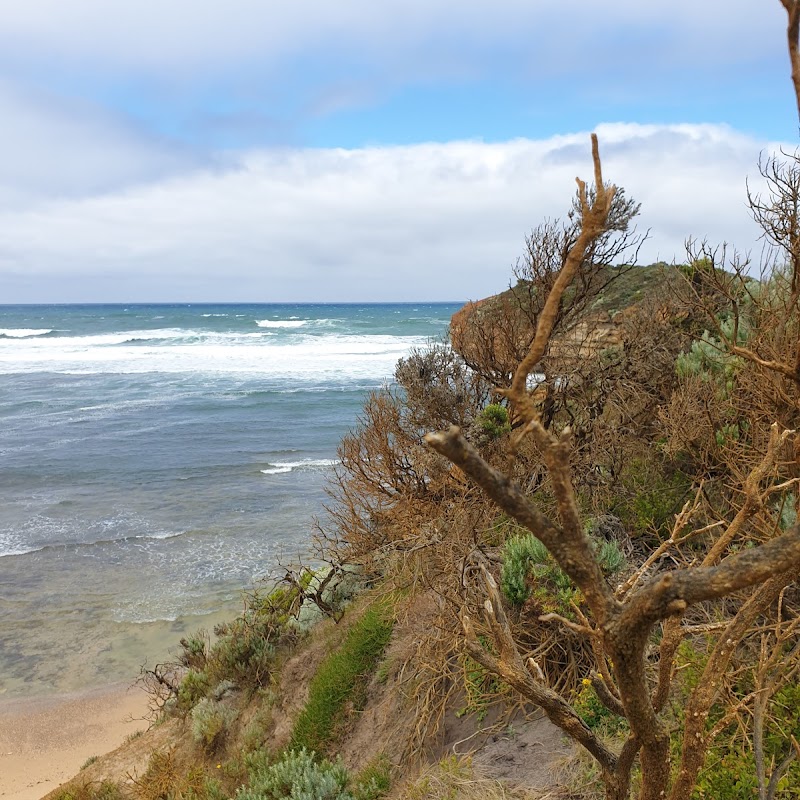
pixel 52 148
pixel 254 45
pixel 254 73
pixel 185 35
pixel 429 221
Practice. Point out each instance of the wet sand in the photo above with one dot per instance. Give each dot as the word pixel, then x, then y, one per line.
pixel 45 741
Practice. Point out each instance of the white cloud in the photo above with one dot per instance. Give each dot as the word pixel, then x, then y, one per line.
pixel 431 221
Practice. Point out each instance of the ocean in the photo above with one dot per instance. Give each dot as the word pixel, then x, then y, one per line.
pixel 156 460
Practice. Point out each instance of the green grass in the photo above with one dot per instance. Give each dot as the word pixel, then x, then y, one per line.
pixel 374 780
pixel 342 678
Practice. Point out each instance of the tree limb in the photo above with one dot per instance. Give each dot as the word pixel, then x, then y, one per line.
pixel 574 553
pixel 792 36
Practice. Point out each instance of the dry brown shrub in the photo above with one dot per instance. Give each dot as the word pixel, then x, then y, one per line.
pixel 453 779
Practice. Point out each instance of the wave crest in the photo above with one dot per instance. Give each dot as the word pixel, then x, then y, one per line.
pixel 280 467
pixel 280 323
pixel 24 333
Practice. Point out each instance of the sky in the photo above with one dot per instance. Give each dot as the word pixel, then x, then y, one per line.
pixel 365 150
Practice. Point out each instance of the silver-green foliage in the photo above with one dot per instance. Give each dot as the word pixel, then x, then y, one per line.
pixel 520 555
pixel 610 556
pixel 298 776
pixel 210 720
pixel 709 358
pixel 525 556
pixel 788 511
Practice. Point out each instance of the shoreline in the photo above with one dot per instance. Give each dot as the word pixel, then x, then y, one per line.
pixel 45 740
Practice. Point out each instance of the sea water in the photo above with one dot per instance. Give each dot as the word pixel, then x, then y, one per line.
pixel 155 460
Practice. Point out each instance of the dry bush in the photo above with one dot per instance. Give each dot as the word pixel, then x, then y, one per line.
pixel 452 779
pixel 738 533
pixel 404 513
pixel 166 778
pixel 678 418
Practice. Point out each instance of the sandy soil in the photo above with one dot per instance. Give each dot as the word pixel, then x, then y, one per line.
pixel 45 741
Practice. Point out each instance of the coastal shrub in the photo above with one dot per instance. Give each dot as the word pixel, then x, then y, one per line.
pixel 649 495
pixel 223 689
pixel 520 554
pixel 327 593
pixel 788 511
pixel 610 556
pixel 494 421
pixel 88 763
pixel 245 648
pixel 166 779
pixel 374 780
pixel 193 688
pixel 194 650
pixel 589 708
pixel 529 570
pixel 342 677
pixel 730 771
pixel 256 731
pixel 210 721
pixel 104 790
pixel 298 776
pixel 244 652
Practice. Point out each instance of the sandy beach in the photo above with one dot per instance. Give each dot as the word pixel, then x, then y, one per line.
pixel 45 741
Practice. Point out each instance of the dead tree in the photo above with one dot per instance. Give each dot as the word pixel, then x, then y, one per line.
pixel 620 624
pixel 793 41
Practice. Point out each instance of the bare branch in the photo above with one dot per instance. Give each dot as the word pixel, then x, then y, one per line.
pixel 593 221
pixel 792 35
pixel 509 665
pixel 573 553
pixel 676 590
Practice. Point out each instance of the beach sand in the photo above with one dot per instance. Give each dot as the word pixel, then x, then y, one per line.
pixel 45 741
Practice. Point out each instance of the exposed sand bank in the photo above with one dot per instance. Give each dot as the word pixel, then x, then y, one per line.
pixel 45 741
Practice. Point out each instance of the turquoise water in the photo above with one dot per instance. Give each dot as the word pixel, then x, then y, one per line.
pixel 156 459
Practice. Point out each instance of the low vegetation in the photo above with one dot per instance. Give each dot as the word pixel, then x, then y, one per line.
pixel 342 678
pixel 454 779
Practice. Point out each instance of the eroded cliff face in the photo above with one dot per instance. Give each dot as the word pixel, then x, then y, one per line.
pixel 499 329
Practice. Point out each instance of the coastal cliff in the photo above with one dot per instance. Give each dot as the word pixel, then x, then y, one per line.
pixel 500 327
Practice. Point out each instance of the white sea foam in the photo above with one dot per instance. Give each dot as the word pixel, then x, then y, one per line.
pixel 24 333
pixel 121 617
pixel 280 323
pixel 298 361
pixel 140 614
pixel 160 535
pixel 20 551
pixel 279 467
